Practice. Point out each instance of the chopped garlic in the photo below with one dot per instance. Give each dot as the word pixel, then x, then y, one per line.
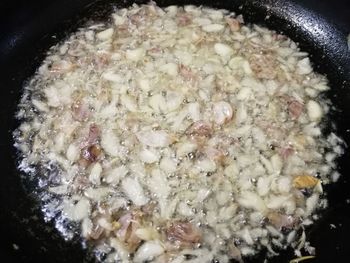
pixel 148 251
pixel 170 68
pixel 135 54
pixel 223 50
pixel 95 174
pixel 134 191
pixel 149 156
pixel 314 110
pixel 178 127
pixel 213 28
pixel 155 138
pixel 304 67
pixel 72 153
pixel 105 34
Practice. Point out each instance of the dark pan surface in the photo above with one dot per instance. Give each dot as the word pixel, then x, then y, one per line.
pixel 27 34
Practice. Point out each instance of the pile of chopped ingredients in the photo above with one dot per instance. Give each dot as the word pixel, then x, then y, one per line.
pixel 179 134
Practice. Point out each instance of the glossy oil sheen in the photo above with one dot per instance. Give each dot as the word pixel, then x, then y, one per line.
pixel 34 27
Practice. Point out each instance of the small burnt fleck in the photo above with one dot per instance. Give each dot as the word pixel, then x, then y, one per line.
pixel 189 256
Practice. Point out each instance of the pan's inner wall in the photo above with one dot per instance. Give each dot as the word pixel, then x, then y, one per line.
pixel 28 34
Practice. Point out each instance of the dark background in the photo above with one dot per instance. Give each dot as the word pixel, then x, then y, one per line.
pixel 24 237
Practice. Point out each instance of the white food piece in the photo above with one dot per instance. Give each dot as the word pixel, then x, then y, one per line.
pixel 158 184
pixel 252 200
pixel 72 153
pixel 223 50
pixel 118 20
pixel 116 174
pixel 311 203
pixel 110 142
pixel 304 67
pixel 122 252
pixel 135 54
pixel 263 186
pixel 168 165
pixel 222 112
pixel 231 170
pixel 202 21
pixel 241 116
pixel 194 111
pixel 114 77
pixel 104 223
pixel 59 190
pixel 277 202
pixel 148 251
pixel 185 148
pixel 95 174
pixel 134 191
pixel 78 211
pixel 227 212
pixel 52 96
pixel 184 210
pixel 149 156
pixel 144 84
pixel 173 100
pixel 158 103
pixel 155 138
pixel 170 68
pixel 212 28
pixel 245 234
pixel 86 227
pixel 105 34
pixel 314 110
pixel 206 165
pixel 276 162
pixel 184 57
pixel 244 93
pixel 146 233
pixel 41 106
pixel 284 185
pixel 97 194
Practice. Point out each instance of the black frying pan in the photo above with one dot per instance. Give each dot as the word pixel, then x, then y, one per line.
pixel 28 29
